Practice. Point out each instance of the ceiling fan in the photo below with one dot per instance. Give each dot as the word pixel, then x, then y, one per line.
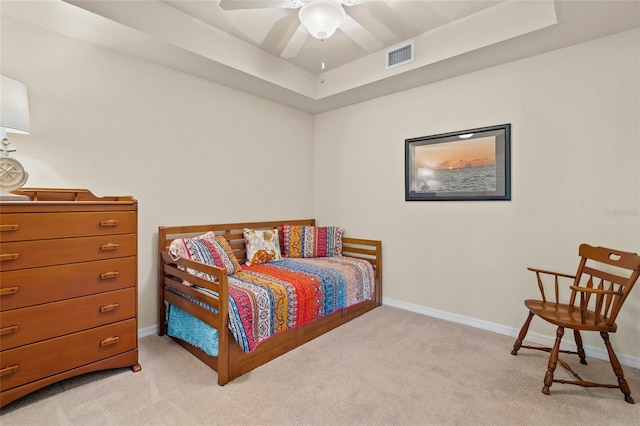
pixel 320 18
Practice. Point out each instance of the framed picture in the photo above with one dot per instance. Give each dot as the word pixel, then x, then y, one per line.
pixel 470 164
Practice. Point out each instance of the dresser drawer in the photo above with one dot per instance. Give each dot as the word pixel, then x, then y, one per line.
pixel 33 254
pixel 28 325
pixel 33 362
pixel 37 226
pixel 34 286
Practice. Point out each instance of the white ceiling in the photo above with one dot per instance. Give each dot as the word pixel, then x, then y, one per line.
pixel 242 48
pixel 387 23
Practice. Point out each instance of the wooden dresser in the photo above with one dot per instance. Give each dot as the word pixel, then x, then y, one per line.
pixel 68 287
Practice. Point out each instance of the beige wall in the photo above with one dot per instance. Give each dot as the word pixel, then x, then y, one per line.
pixel 575 116
pixel 189 150
pixel 118 125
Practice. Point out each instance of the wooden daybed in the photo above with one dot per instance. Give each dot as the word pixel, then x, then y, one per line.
pixel 232 361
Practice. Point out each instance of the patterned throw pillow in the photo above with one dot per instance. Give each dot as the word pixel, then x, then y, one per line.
pixel 311 241
pixel 209 249
pixel 262 246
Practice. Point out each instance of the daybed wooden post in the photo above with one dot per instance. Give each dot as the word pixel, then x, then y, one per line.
pixel 378 267
pixel 223 332
pixel 162 246
pixel 235 352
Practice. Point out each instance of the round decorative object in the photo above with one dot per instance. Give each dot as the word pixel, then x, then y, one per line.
pixel 321 17
pixel 12 175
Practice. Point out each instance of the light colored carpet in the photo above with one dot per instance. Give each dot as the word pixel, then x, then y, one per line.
pixel 387 367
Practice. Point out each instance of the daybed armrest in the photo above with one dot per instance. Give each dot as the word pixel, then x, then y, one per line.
pixel 171 268
pixel 213 279
pixel 371 251
pixel 556 275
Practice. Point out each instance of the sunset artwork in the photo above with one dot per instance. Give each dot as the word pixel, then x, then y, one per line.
pixel 456 155
pixel 472 164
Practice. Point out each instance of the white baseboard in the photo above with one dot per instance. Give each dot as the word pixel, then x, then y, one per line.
pixel 147 331
pixel 536 338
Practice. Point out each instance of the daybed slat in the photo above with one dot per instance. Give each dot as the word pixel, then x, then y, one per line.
pixel 360 241
pixel 358 250
pixel 237 245
pixel 195 310
pixel 190 291
pixel 187 263
pixel 200 282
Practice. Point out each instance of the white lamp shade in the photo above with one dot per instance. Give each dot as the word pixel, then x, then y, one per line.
pixel 322 17
pixel 14 108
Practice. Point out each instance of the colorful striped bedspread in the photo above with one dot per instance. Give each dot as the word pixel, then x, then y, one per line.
pixel 276 296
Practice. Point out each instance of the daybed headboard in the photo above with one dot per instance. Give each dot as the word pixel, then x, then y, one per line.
pixel 231 231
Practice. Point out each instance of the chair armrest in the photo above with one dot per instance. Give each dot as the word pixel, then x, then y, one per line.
pixel 595 290
pixel 601 307
pixel 557 275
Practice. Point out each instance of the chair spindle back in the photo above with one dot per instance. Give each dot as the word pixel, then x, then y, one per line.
pixel 604 291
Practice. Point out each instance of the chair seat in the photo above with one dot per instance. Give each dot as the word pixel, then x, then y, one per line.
pixel 569 316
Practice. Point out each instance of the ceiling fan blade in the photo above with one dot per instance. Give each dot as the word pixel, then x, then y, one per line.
pixel 295 43
pixel 360 35
pixel 255 4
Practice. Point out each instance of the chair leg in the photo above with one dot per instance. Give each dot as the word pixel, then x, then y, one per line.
pixel 522 334
pixel 581 354
pixel 553 362
pixel 617 368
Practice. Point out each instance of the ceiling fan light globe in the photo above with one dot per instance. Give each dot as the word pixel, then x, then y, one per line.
pixel 322 17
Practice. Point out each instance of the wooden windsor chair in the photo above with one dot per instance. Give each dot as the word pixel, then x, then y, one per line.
pixel 601 285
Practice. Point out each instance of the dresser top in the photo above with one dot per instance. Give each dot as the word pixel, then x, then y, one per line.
pixel 64 199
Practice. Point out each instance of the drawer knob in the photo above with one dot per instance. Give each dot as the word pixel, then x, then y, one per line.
pixel 109 246
pixel 9 256
pixel 109 341
pixel 109 308
pixel 109 275
pixel 9 330
pixel 9 228
pixel 8 291
pixel 9 370
pixel 109 223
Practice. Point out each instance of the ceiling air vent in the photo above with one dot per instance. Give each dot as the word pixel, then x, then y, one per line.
pixel 400 55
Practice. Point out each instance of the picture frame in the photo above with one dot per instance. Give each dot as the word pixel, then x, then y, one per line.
pixel 467 165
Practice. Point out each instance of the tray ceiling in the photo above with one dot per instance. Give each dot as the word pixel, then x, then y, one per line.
pixel 243 48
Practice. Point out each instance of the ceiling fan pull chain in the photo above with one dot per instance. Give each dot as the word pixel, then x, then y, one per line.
pixel 322 53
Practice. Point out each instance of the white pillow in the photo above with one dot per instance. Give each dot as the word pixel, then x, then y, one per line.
pixel 262 246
